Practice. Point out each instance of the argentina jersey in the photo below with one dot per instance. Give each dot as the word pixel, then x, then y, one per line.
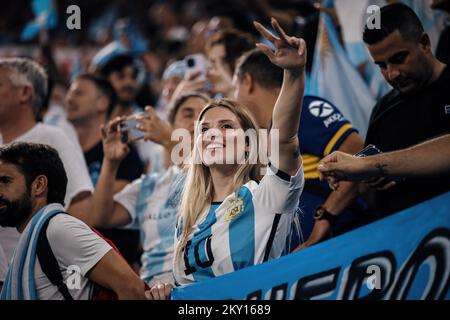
pixel 152 202
pixel 249 227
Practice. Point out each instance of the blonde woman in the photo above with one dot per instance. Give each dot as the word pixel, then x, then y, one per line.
pixel 229 218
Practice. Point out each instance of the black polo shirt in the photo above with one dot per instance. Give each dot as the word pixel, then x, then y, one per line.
pixel 402 120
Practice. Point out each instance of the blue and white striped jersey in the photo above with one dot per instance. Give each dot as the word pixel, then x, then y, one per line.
pixel 152 202
pixel 247 228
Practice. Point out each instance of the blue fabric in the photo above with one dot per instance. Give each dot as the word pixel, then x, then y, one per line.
pixel 403 246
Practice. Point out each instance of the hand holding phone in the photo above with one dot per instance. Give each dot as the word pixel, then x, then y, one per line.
pixel 377 183
pixel 196 64
pixel 129 131
pixel 370 150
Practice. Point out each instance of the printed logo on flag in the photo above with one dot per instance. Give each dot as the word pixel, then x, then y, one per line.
pixel 320 109
pixel 447 109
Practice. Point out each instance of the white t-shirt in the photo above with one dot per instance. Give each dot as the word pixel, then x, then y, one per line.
pixel 74 244
pixel 247 228
pixel 74 164
pixel 152 202
pixel 56 116
pixel 3 265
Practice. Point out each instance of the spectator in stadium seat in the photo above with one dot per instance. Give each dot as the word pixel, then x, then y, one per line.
pixel 122 71
pixel 227 220
pixel 415 110
pixel 171 78
pixel 32 187
pixel 323 129
pixel 430 158
pixel 150 202
pixel 89 100
pixel 23 90
pixel 223 50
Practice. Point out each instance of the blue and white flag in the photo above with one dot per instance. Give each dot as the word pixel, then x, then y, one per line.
pixel 20 281
pixel 46 17
pixel 335 78
pixel 353 16
pixel 403 257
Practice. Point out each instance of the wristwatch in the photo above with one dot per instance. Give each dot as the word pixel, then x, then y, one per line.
pixel 321 213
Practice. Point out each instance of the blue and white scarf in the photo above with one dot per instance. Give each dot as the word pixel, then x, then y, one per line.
pixel 20 281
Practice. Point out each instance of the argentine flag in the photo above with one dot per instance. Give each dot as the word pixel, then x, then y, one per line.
pixel 46 17
pixel 334 77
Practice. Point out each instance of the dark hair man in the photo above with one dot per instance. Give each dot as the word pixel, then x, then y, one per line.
pixel 32 190
pixel 89 101
pixel 223 50
pixel 121 72
pixel 416 110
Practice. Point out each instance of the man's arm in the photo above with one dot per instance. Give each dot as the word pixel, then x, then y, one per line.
pixel 340 198
pixel 112 272
pixel 106 212
pixel 81 206
pixel 426 159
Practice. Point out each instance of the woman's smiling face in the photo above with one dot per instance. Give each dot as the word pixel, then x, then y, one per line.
pixel 221 139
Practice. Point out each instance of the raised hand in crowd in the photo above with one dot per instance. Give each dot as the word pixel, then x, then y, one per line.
pixel 192 83
pixel 290 55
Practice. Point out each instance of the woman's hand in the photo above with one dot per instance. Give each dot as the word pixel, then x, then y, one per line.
pixel 159 292
pixel 290 52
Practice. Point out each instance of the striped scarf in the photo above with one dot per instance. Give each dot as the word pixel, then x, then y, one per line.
pixel 20 281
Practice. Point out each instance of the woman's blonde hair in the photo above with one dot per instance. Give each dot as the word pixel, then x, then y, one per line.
pixel 198 189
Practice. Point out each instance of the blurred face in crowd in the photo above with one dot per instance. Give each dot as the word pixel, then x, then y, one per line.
pixel 219 72
pixel 441 4
pixel 245 93
pixel 125 84
pixel 15 197
pixel 188 113
pixel 84 101
pixel 10 95
pixel 169 87
pixel 405 64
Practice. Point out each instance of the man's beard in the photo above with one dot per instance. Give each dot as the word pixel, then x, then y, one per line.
pixel 15 212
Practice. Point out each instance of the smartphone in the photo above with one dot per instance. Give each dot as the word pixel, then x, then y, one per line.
pixel 370 150
pixel 196 63
pixel 128 129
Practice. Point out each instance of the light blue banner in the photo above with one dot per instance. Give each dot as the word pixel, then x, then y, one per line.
pixel 404 256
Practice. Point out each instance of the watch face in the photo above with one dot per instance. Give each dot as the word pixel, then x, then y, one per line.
pixel 318 214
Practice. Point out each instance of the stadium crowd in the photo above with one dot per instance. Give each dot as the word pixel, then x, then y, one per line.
pixel 139 164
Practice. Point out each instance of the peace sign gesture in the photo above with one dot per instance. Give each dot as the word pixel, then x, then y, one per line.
pixel 290 52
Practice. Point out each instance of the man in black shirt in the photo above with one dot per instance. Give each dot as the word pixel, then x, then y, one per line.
pixel 417 109
pixel 90 101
